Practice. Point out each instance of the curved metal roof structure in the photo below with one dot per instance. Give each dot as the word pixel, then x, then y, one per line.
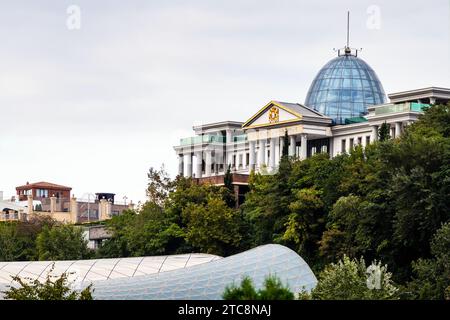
pixel 101 269
pixel 183 277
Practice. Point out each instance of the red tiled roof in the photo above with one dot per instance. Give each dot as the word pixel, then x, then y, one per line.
pixel 44 185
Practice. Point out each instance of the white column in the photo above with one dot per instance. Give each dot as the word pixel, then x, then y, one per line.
pixel 374 134
pixel 229 158
pixel 292 146
pixel 188 165
pixel 262 153
pixel 237 161
pixel 198 164
pixel 229 136
pixel 398 129
pixel 208 163
pixel 432 100
pixel 180 164
pixel 277 151
pixel 252 155
pixel 272 153
pixel 304 145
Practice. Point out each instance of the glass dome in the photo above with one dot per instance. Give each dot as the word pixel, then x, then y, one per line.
pixel 344 88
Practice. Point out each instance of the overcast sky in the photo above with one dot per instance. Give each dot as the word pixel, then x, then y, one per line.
pixel 94 108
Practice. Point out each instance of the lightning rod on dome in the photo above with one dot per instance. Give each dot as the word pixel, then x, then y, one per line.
pixel 347 49
pixel 348 28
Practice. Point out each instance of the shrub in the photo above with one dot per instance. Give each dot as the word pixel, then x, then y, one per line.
pixel 350 279
pixel 273 290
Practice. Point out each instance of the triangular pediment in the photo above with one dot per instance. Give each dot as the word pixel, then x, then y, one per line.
pixel 273 113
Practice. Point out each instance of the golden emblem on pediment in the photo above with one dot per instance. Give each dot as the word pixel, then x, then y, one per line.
pixel 274 115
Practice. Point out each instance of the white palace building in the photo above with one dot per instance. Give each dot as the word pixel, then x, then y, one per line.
pixel 344 107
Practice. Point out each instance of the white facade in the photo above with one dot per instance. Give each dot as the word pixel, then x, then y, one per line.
pixel 257 144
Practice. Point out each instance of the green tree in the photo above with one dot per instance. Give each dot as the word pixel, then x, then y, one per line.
pixel 213 227
pixel 342 236
pixel 159 185
pixel 272 289
pixel 266 205
pixel 228 179
pixel 151 232
pixel 117 245
pixel 230 198
pixel 18 239
pixel 51 289
pixel 306 222
pixel 383 132
pixel 64 242
pixel 285 151
pixel 432 276
pixel 352 280
pixel 434 122
pixel 174 227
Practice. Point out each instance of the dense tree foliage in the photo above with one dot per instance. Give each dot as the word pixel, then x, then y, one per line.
pixel 188 218
pixel 432 276
pixel 18 239
pixel 65 242
pixel 213 227
pixel 272 289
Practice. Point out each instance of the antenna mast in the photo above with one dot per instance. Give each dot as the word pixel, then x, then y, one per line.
pixel 348 28
pixel 347 50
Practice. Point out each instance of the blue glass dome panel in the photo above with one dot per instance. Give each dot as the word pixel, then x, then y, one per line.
pixel 345 87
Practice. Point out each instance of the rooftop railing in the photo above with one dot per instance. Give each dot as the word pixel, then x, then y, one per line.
pixel 401 107
pixel 240 138
pixel 202 139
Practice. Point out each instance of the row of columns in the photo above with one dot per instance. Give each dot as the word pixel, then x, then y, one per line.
pixel 257 156
pixel 259 160
pixel 188 168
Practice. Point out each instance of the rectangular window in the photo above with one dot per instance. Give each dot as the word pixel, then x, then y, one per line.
pixel 324 149
pixel 367 140
pixel 359 140
pixel 247 159
pixel 343 145
pixel 351 143
pixel 241 162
